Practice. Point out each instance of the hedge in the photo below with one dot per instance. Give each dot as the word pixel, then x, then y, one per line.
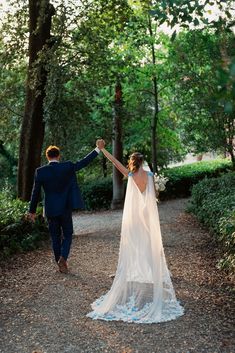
pixel 98 193
pixel 213 203
pixel 16 233
pixel 182 179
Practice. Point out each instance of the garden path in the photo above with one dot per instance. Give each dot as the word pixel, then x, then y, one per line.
pixel 45 311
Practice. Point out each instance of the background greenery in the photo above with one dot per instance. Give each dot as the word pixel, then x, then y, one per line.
pixel 213 202
pixel 179 84
pixel 182 179
pixel 97 44
pixel 98 192
pixel 16 233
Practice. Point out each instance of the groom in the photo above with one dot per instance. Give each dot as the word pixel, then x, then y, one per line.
pixel 62 195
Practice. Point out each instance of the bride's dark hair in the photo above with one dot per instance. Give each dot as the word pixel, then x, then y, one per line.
pixel 135 161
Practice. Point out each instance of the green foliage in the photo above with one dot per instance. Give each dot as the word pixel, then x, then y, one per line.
pixel 16 233
pixel 226 236
pixel 192 13
pixel 182 179
pixel 213 202
pixel 7 173
pixel 94 44
pixel 11 209
pixel 98 193
pixel 202 63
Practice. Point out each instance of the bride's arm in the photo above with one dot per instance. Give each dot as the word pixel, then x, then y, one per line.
pixel 115 162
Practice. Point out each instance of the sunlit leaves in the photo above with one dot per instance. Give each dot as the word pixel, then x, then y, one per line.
pixel 185 13
pixel 204 86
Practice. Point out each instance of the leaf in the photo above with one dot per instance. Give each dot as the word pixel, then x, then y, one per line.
pixel 228 14
pixel 232 70
pixel 228 107
pixel 173 36
pixel 196 22
pixel 153 13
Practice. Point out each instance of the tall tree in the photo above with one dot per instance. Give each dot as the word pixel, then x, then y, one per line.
pixel 94 42
pixel 154 120
pixel 32 130
pixel 203 97
pixel 118 188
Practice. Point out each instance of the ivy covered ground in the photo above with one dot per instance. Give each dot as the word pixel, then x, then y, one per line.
pixel 45 311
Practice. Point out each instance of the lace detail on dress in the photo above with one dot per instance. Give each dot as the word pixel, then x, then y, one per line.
pixel 131 313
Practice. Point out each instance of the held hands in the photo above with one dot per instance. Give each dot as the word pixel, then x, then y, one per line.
pixel 100 143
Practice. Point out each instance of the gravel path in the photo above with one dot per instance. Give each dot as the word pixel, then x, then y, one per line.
pixel 44 311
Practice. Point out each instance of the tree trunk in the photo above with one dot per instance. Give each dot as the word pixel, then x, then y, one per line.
pixel 231 151
pixel 154 120
pixel 104 166
pixel 233 161
pixel 32 129
pixel 118 186
pixel 154 126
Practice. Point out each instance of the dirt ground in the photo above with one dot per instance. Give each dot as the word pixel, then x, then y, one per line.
pixel 44 311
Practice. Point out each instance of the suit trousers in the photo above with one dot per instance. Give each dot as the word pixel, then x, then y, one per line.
pixel 61 231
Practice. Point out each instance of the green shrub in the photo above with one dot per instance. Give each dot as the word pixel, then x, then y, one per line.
pixel 97 193
pixel 227 237
pixel 182 179
pixel 16 233
pixel 213 202
pixel 7 172
pixel 11 209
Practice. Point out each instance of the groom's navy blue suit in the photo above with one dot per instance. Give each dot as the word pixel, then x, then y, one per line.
pixel 62 195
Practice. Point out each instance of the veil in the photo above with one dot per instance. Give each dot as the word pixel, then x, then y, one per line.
pixel 146 166
pixel 142 290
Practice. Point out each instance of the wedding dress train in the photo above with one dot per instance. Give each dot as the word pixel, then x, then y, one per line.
pixel 142 290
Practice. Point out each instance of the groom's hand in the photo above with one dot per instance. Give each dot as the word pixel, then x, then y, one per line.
pixel 100 144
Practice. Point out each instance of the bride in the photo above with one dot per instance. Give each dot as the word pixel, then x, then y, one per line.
pixel 142 290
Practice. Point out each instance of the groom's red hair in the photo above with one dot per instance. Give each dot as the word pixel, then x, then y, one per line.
pixel 52 152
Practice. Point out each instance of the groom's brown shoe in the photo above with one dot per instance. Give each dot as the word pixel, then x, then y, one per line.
pixel 62 265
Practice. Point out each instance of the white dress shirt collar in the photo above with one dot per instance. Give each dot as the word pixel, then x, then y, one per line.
pixel 53 160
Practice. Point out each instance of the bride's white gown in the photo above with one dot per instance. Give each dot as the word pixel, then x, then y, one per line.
pixel 142 290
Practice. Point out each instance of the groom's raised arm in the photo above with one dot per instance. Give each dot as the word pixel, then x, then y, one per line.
pixel 86 160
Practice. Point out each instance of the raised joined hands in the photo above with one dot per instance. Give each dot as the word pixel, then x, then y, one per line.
pixel 100 143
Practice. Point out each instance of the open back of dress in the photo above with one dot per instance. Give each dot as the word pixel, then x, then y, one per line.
pixel 142 290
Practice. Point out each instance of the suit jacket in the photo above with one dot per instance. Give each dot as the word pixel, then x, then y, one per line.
pixel 60 186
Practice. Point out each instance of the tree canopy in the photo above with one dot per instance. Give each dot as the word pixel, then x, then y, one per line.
pixel 175 61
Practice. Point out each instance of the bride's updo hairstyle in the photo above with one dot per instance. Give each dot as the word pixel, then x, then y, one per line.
pixel 135 161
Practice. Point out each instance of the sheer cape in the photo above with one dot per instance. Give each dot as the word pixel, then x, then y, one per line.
pixel 142 290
